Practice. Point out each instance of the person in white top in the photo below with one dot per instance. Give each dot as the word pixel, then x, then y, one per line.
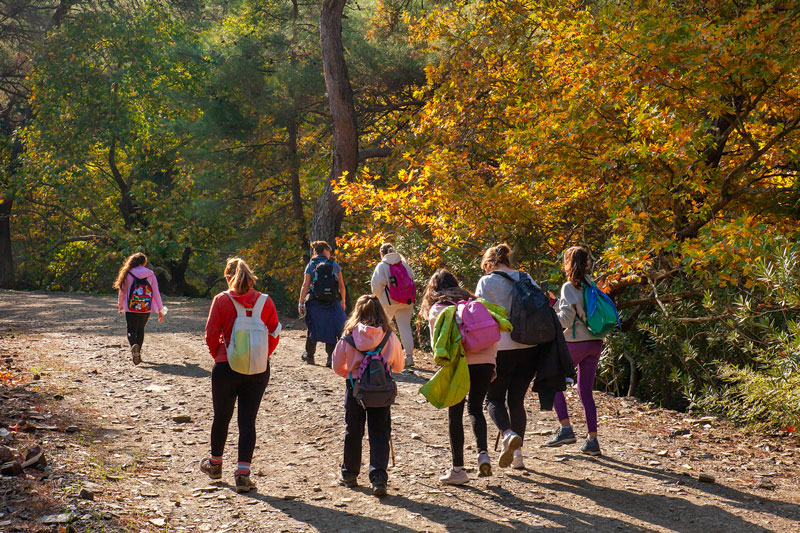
pixel 382 283
pixel 516 363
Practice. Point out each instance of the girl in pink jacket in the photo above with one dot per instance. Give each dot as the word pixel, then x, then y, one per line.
pixel 367 325
pixel 138 297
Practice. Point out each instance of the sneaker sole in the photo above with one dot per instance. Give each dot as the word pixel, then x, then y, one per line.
pixel 240 490
pixel 136 355
pixel 593 453
pixel 379 492
pixel 508 454
pixel 518 467
pixel 348 484
pixel 212 476
pixel 560 443
pixel 485 470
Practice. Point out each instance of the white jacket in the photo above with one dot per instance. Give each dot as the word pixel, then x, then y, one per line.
pixel 380 277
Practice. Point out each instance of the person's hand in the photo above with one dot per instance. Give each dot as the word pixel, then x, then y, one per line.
pixel 301 309
pixel 344 305
pixel 161 316
pixel 552 297
pixel 120 310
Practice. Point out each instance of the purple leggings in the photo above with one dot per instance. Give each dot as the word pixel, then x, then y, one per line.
pixel 585 355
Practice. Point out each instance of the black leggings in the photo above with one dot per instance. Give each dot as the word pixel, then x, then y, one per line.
pixel 311 347
pixel 136 322
pixel 226 387
pixel 479 378
pixel 515 371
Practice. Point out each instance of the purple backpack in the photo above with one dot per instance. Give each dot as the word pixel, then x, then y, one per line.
pixel 401 286
pixel 478 328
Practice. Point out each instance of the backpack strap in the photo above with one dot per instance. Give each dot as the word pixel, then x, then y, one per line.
pixel 260 303
pixel 240 309
pixel 367 355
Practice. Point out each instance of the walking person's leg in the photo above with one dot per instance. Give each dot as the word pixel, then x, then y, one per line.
pixel 143 318
pixel 311 348
pixel 455 424
pixel 525 369
pixel 379 423
pixel 496 405
pixel 250 391
pixel 355 417
pixel 403 319
pixel 132 327
pixel 223 398
pixel 587 370
pixel 329 348
pixel 479 377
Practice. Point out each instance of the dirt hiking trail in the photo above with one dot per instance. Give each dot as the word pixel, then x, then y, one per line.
pixel 123 443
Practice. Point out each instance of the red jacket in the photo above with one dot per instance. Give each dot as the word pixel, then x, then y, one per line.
pixel 222 315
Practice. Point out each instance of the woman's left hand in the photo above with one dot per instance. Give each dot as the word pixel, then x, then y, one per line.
pixel 160 316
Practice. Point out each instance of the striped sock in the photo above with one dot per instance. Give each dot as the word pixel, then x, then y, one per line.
pixel 243 469
pixel 215 460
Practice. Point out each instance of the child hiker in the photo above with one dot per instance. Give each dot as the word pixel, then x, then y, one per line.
pixel 138 297
pixel 584 348
pixel 366 334
pixel 242 331
pixel 439 305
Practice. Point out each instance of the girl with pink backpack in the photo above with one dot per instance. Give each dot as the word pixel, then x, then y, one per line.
pixel 443 291
pixel 393 284
pixel 138 296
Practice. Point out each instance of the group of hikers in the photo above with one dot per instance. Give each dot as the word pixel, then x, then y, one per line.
pixel 492 344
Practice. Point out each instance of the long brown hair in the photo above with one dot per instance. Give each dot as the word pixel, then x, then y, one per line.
pixel 241 277
pixel 368 311
pixel 137 259
pixel 319 247
pixel 576 264
pixel 495 256
pixel 442 286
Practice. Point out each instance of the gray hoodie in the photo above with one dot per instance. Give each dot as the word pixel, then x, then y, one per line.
pixel 571 313
pixel 380 278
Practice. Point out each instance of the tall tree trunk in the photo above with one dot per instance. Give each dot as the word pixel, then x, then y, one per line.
pixel 294 159
pixel 329 212
pixel 6 259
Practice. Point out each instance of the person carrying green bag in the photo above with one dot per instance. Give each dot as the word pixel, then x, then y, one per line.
pixel 457 320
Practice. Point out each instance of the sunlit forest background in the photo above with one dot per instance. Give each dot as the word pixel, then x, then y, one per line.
pixel 663 135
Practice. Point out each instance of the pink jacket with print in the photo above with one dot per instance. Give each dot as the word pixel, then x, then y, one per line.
pixel 140 272
pixel 347 359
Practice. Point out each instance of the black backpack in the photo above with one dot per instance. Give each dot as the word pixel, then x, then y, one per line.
pixel 530 312
pixel 375 386
pixel 324 284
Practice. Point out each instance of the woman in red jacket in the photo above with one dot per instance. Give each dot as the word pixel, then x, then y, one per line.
pixel 227 385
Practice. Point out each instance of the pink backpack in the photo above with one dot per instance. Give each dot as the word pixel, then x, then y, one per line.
pixel 478 328
pixel 401 286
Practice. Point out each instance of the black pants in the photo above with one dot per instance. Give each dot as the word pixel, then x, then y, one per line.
pixel 311 347
pixel 379 420
pixel 515 371
pixel 226 387
pixel 136 322
pixel 479 378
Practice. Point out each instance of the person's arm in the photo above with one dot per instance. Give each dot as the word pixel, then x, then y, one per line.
pixel 301 304
pixel 565 307
pixel 158 305
pixel 342 291
pixel 377 283
pixel 121 295
pixel 396 359
pixel 269 316
pixel 480 288
pixel 213 328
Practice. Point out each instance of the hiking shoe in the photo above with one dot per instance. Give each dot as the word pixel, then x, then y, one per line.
pixel 511 442
pixel 591 447
pixel 484 465
pixel 347 481
pixel 451 477
pixel 244 483
pixel 516 462
pixel 563 436
pixel 379 488
pixel 136 353
pixel 213 471
pixel 409 361
pixel 309 359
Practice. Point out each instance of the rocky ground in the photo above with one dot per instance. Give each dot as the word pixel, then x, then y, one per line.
pixel 121 446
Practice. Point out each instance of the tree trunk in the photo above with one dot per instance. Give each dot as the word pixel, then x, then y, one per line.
pixel 294 159
pixel 329 212
pixel 6 259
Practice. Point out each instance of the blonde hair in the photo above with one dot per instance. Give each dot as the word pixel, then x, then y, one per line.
pixel 576 264
pixel 368 311
pixel 137 259
pixel 496 256
pixel 241 277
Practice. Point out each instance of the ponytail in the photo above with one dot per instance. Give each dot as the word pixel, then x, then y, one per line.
pixel 241 278
pixel 576 264
pixel 496 256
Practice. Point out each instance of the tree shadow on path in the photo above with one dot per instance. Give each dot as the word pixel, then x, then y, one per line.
pixel 190 370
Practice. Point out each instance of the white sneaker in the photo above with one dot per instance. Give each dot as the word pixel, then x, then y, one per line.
pixel 484 465
pixel 452 477
pixel 511 442
pixel 409 361
pixel 516 462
